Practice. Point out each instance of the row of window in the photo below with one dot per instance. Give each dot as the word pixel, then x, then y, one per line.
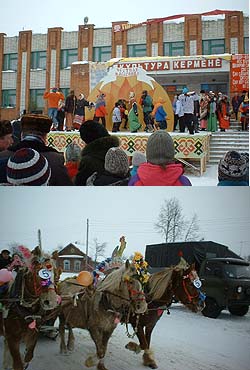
pixel 103 53
pixel 66 265
pixel 36 98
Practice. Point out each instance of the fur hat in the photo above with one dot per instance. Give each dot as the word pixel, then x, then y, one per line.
pixel 36 122
pixel 72 153
pixel 28 167
pixel 5 128
pixel 232 166
pixel 138 158
pixel 116 161
pixel 160 148
pixel 92 130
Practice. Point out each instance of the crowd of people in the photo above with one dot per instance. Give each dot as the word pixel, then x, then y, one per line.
pixel 101 162
pixel 206 111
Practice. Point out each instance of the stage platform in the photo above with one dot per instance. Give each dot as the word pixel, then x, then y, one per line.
pixel 187 147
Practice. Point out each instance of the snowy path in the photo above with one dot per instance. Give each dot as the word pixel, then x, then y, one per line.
pixel 181 341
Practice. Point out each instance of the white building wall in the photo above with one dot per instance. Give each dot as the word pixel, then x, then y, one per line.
pixel 8 80
pixel 53 68
pixel 69 40
pixel 137 35
pixel 37 79
pixel 246 26
pixel 39 42
pixel 173 32
pixel 213 30
pixel 102 37
pixel 23 80
pixel 65 78
pixel 10 45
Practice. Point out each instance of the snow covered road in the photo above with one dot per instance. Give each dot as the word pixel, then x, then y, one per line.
pixel 181 341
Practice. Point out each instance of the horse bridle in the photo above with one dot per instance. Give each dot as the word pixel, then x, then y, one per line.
pixel 197 284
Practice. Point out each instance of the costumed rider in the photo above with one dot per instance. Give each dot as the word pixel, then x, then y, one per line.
pixel 115 261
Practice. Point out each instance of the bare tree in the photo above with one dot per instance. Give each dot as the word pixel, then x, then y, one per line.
pixel 173 225
pixel 170 221
pixel 192 229
pixel 99 250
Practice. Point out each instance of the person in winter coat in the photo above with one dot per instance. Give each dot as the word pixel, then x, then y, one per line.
pixel 236 101
pixel 160 169
pixel 72 159
pixel 79 117
pixel 100 109
pixel 116 170
pixel 53 100
pixel 223 114
pixel 70 106
pixel 133 121
pixel 6 135
pixel 146 103
pixel 5 258
pixel 35 128
pixel 244 113
pixel 98 141
pixel 160 115
pixel 137 159
pixel 116 118
pixel 233 169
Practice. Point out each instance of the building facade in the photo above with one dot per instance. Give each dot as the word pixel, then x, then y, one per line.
pixel 72 259
pixel 32 63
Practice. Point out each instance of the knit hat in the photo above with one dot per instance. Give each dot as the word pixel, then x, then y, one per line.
pixel 92 130
pixel 138 158
pixel 5 128
pixel 37 122
pixel 28 167
pixel 72 153
pixel 160 148
pixel 116 161
pixel 232 166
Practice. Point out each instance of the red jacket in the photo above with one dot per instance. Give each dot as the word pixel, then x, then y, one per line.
pixel 154 175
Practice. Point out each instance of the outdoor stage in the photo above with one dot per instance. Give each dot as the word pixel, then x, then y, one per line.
pixel 187 147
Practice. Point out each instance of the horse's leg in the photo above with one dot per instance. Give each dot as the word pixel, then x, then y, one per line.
pixel 30 341
pixel 148 358
pixel 7 359
pixel 101 339
pixel 13 344
pixel 71 339
pixel 63 348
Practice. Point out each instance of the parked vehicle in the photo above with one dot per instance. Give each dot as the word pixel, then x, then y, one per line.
pixel 225 275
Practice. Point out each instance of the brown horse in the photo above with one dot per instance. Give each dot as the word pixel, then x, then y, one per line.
pixel 175 281
pixel 99 309
pixel 29 302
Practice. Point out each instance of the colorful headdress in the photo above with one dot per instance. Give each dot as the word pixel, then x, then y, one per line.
pixel 141 268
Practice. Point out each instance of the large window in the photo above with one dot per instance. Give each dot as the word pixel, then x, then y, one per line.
pixel 36 104
pixel 173 49
pixel 139 50
pixel 246 45
pixel 77 265
pixel 10 62
pixel 101 54
pixel 38 60
pixel 8 98
pixel 68 56
pixel 66 265
pixel 65 91
pixel 213 47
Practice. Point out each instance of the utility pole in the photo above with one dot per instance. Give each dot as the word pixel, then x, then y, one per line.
pixel 39 239
pixel 87 243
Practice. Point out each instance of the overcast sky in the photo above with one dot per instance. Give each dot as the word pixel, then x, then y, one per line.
pixel 61 214
pixel 37 16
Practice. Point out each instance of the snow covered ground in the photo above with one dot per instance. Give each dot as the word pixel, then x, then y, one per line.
pixel 181 341
pixel 209 178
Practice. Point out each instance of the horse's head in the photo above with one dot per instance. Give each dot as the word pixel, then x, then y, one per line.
pixel 39 280
pixel 124 289
pixel 134 289
pixel 188 287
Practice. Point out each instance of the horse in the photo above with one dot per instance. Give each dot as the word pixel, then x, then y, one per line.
pixel 99 309
pixel 176 281
pixel 30 300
